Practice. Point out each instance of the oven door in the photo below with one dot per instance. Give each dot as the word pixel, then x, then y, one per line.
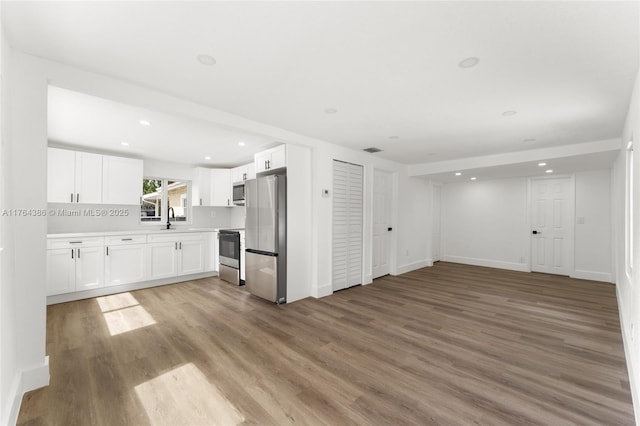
pixel 229 249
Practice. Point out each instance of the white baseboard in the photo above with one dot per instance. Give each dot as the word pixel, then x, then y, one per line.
pixel 593 276
pixel 103 291
pixel 633 384
pixel 27 381
pixel 403 269
pixel 511 266
pixel 323 291
pixel 368 279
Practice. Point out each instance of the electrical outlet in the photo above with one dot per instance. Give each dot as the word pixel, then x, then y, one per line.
pixel 213 214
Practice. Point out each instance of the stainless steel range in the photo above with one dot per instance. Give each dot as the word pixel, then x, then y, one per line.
pixel 230 253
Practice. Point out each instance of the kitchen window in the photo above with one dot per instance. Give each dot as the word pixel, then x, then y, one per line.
pixel 164 199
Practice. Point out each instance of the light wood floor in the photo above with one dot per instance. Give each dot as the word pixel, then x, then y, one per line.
pixel 452 344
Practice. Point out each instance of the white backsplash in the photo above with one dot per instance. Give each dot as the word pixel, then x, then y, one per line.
pixel 67 218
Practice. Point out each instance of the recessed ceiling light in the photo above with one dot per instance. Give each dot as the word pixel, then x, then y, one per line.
pixel 509 113
pixel 330 110
pixel 394 137
pixel 548 171
pixel 145 123
pixel 241 143
pixel 124 143
pixel 468 63
pixel 206 60
pixel 458 174
pixel 372 150
pixel 207 158
pixel 542 164
pixel 473 178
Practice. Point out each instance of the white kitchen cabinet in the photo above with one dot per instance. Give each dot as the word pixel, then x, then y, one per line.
pixel 242 173
pixel 201 187
pixel 125 259
pixel 211 256
pixel 73 177
pixel 121 180
pixel 74 265
pixel 221 188
pixel 163 260
pixel 271 159
pixel 176 254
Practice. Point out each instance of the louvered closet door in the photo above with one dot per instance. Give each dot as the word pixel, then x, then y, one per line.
pixel 347 225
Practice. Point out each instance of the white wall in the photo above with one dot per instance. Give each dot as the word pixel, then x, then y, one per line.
pixel 24 365
pixel 486 223
pixel 593 226
pixel 627 287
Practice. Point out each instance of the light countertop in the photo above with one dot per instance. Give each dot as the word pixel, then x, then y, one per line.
pixel 154 230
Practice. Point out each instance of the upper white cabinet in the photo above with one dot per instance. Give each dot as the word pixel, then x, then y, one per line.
pixel 242 173
pixel 121 180
pixel 74 177
pixel 221 188
pixel 83 177
pixel 271 159
pixel 201 187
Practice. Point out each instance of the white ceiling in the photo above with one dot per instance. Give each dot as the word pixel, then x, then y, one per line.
pixel 76 119
pixel 389 68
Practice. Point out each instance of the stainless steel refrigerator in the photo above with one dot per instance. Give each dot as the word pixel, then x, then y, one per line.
pixel 266 237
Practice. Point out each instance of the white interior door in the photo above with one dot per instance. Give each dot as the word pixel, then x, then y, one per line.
pixel 347 225
pixel 551 225
pixel 381 248
pixel 435 225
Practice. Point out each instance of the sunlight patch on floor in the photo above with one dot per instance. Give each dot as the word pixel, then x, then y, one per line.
pixel 116 301
pixel 123 313
pixel 184 396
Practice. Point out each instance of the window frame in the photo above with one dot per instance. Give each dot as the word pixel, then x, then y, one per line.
pixel 164 203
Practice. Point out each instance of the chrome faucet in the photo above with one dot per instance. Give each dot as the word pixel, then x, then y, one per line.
pixel 173 215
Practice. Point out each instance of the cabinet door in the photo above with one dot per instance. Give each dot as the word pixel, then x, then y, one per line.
pixel 237 174
pixel 191 255
pixel 61 271
pixel 221 184
pixel 125 264
pixel 163 261
pixel 88 178
pixel 278 157
pixel 60 175
pixel 261 161
pixel 250 170
pixel 201 188
pixel 89 268
pixel 121 180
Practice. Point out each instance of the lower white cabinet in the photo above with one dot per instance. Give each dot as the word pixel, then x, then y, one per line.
pixel 125 264
pixel 84 263
pixel 163 259
pixel 74 265
pixel 176 254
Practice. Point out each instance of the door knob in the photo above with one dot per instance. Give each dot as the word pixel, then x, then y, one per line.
pixel 536 232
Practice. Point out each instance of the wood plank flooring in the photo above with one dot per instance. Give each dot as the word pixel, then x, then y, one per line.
pixel 452 344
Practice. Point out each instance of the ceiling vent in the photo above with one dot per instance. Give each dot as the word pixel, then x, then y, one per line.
pixel 372 150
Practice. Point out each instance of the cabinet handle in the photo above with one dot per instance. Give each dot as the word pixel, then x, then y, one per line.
pixel 72 250
pixel 78 253
pixel 180 245
pixel 107 250
pixel 77 198
pixel 265 165
pixel 176 247
pixel 127 239
pixel 72 197
pixel 244 176
pixel 200 201
pixel 75 242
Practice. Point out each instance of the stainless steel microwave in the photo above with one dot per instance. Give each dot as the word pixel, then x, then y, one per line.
pixel 238 194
